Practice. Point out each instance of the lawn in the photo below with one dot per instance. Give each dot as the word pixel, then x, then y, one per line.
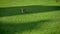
pixel 41 17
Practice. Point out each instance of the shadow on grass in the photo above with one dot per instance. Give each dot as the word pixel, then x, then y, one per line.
pixel 10 11
pixel 6 28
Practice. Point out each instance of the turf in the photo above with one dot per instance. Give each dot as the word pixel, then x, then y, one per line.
pixel 41 17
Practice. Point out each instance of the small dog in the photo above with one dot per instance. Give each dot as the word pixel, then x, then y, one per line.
pixel 23 10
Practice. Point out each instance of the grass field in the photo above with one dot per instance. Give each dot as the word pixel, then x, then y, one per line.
pixel 41 17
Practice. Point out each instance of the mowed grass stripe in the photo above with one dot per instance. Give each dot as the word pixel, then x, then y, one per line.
pixel 10 3
pixel 31 17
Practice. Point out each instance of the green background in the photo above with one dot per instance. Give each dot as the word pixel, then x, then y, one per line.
pixel 41 17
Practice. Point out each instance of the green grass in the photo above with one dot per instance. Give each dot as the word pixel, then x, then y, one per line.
pixel 11 3
pixel 42 17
